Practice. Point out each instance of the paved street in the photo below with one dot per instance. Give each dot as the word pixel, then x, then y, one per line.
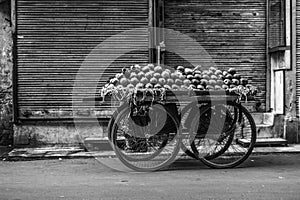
pixel 272 176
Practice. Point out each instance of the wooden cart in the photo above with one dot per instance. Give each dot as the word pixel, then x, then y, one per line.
pixel 150 129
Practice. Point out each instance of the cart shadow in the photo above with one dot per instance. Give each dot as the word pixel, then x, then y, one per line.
pixel 193 164
pixel 186 164
pixel 274 160
pixel 279 161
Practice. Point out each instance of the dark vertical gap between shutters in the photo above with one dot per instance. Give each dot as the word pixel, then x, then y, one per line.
pixel 15 62
pixel 297 55
pixel 151 24
pixel 54 37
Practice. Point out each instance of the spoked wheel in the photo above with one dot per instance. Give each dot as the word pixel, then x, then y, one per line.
pixel 210 122
pixel 146 143
pixel 190 141
pixel 129 139
pixel 224 136
pixel 187 114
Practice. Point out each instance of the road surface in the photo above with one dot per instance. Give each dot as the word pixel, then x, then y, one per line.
pixel 275 176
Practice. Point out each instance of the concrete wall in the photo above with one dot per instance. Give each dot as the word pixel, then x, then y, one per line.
pixel 6 65
pixel 57 133
pixel 290 121
pixel 286 124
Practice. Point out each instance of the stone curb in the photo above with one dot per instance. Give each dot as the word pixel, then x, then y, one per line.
pixel 19 154
pixel 292 148
pixel 51 153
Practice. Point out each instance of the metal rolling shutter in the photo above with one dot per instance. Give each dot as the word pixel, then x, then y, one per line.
pixel 233 32
pixel 55 36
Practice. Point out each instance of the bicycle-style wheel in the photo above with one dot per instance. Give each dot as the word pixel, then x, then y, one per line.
pixel 146 143
pixel 187 114
pixel 203 112
pixel 221 142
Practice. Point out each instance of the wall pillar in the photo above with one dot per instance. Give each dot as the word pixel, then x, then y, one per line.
pixel 6 66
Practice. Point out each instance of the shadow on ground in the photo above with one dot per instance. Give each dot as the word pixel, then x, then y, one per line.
pixel 255 161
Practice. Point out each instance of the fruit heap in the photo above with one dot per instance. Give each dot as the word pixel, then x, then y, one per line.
pixel 181 78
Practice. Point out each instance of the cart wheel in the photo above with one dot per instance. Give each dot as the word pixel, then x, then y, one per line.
pixel 187 114
pixel 224 133
pixel 145 143
pixel 137 144
pixel 226 137
pixel 190 142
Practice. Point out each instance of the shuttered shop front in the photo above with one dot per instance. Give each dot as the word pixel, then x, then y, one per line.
pixel 232 32
pixel 56 38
